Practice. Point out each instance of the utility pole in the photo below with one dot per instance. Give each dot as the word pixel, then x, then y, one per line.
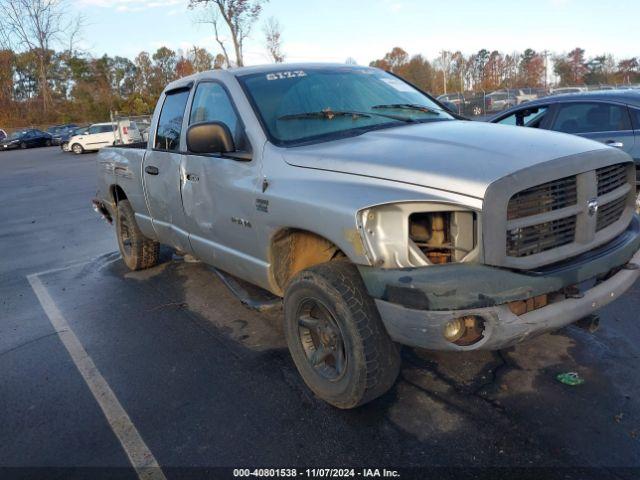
pixel 545 54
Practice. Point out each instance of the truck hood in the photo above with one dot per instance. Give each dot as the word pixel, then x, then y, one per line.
pixel 458 156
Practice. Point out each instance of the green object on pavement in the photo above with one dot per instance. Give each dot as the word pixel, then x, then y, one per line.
pixel 570 378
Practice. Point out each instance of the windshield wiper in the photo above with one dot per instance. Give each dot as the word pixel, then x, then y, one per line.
pixel 329 114
pixel 324 114
pixel 408 106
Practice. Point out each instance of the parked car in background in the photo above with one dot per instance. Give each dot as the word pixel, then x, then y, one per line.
pixel 611 117
pixel 64 138
pixel 100 135
pixel 467 104
pixel 127 132
pixel 28 138
pixel 61 131
pixel 3 134
pixel 563 90
pixel 507 98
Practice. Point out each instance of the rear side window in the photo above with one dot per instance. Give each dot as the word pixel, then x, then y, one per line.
pixel 211 103
pixel 106 128
pixel 591 117
pixel 170 123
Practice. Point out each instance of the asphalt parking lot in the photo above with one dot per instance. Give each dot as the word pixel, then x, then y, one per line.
pixel 207 383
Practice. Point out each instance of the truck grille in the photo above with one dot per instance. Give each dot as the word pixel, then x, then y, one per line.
pixel 610 213
pixel 543 198
pixel 611 178
pixel 541 237
pixel 548 216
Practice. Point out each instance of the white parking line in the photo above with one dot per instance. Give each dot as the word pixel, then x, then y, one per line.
pixel 139 454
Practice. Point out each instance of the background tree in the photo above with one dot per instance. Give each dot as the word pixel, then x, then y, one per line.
pixel 200 59
pixel 239 17
pixel 629 70
pixel 445 62
pixel 531 69
pixel 577 67
pixel 273 39
pixel 36 26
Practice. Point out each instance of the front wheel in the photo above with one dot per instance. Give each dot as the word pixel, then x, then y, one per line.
pixel 77 149
pixel 47 143
pixel 23 145
pixel 336 337
pixel 138 252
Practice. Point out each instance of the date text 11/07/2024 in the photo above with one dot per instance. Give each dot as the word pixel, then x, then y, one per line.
pixel 316 473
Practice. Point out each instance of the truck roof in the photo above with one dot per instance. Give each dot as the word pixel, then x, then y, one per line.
pixel 267 68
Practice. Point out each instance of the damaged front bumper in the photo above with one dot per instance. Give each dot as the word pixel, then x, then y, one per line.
pixel 416 304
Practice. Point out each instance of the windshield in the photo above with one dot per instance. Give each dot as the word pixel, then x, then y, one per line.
pixel 315 104
pixel 17 134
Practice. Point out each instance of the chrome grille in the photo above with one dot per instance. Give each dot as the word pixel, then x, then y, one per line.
pixel 610 213
pixel 611 178
pixel 543 198
pixel 541 237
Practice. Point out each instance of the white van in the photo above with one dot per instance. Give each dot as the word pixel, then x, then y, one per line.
pixel 99 135
pixel 105 134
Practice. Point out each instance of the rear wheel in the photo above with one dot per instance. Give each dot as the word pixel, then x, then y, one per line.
pixel 138 252
pixel 336 338
pixel 77 148
pixel 47 143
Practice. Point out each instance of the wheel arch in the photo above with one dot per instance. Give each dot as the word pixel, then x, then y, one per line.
pixel 116 193
pixel 292 250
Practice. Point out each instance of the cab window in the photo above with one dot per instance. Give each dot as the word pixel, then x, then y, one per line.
pixel 170 123
pixel 591 117
pixel 528 117
pixel 635 118
pixel 211 103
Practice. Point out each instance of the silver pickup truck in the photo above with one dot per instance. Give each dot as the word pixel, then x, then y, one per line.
pixel 377 216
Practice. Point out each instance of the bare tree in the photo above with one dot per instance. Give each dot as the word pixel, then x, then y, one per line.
pixel 273 39
pixel 238 15
pixel 445 61
pixel 36 26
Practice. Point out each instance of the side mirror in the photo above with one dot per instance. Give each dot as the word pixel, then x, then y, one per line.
pixel 210 137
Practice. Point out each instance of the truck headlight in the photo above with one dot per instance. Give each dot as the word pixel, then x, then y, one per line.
pixel 416 234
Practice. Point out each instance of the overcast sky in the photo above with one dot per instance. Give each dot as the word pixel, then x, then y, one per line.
pixel 332 30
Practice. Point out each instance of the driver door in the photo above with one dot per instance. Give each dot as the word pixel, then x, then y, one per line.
pixel 219 191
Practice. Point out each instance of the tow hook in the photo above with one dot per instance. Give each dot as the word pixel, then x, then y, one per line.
pixel 590 323
pixel 100 209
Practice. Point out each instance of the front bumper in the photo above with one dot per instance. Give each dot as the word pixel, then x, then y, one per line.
pixel 415 304
pixel 9 146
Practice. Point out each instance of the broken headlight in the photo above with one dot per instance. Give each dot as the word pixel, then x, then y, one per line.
pixel 405 235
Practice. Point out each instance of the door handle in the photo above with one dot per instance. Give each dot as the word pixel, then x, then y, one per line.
pixel 151 170
pixel 614 143
pixel 192 178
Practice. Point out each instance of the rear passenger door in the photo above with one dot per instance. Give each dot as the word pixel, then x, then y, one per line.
pixel 161 172
pixel 607 123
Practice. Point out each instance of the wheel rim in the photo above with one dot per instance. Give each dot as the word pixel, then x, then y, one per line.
pixel 321 339
pixel 125 235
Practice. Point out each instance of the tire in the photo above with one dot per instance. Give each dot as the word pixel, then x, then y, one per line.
pixel 23 145
pixel 329 301
pixel 77 149
pixel 138 252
